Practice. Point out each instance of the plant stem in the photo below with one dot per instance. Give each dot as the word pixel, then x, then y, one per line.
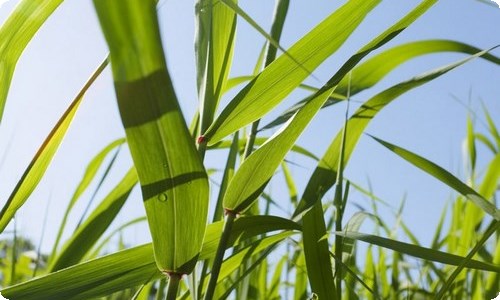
pixel 173 285
pixel 219 256
pixel 251 139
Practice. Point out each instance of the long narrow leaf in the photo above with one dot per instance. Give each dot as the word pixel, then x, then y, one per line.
pixel 16 33
pixel 418 251
pixel 33 174
pixel 215 32
pixel 444 176
pixel 324 175
pixel 91 230
pixel 373 70
pixel 90 173
pixel 173 180
pixel 283 75
pixel 132 267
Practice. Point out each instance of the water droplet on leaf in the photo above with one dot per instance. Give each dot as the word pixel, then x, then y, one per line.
pixel 162 197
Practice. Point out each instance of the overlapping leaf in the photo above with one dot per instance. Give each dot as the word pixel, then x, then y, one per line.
pixel 283 75
pixel 132 267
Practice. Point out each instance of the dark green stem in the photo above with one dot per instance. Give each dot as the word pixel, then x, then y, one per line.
pixel 219 256
pixel 251 139
pixel 173 285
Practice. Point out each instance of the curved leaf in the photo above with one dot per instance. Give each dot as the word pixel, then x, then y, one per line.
pixel 282 76
pixel 445 177
pixel 418 251
pixel 373 70
pixel 16 33
pixel 90 173
pixel 324 175
pixel 39 164
pixel 131 267
pixel 94 226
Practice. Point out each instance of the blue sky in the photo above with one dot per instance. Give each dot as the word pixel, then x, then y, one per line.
pixel 429 120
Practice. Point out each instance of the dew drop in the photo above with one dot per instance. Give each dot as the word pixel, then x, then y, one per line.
pixel 162 197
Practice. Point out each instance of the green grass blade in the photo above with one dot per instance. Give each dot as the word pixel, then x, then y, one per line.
pixel 290 183
pixel 16 33
pixel 214 44
pixel 300 290
pixel 467 261
pixel 226 177
pixel 373 70
pixel 91 279
pixel 173 181
pixel 418 251
pixel 105 241
pixel 492 128
pixel 254 173
pixel 95 225
pixel 324 175
pixel 445 177
pixel 471 148
pixel 376 68
pixel 274 288
pixel 87 178
pixel 283 75
pixel 40 162
pixel 317 253
pixel 132 267
pixel 238 259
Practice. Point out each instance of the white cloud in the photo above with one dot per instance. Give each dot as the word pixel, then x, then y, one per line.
pixel 1 297
pixel 2 3
pixel 497 2
pixel 498 297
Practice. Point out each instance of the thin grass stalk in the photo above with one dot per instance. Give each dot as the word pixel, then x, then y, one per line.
pixel 339 201
pixel 219 256
pixel 39 247
pixel 87 85
pixel 280 13
pixel 494 226
pixel 276 30
pixel 104 176
pixel 13 257
pixel 226 177
pixel 174 280
pixel 161 289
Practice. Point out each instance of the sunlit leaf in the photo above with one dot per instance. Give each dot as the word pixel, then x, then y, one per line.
pixel 173 180
pixel 40 162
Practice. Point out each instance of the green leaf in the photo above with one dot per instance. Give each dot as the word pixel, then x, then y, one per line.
pixel 104 242
pixel 40 162
pixel 445 177
pixel 15 34
pixel 255 171
pixel 173 181
pixel 283 75
pixel 87 234
pixel 131 267
pixel 239 258
pixel 373 70
pixel 325 174
pixel 418 251
pixel 214 44
pixel 89 175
